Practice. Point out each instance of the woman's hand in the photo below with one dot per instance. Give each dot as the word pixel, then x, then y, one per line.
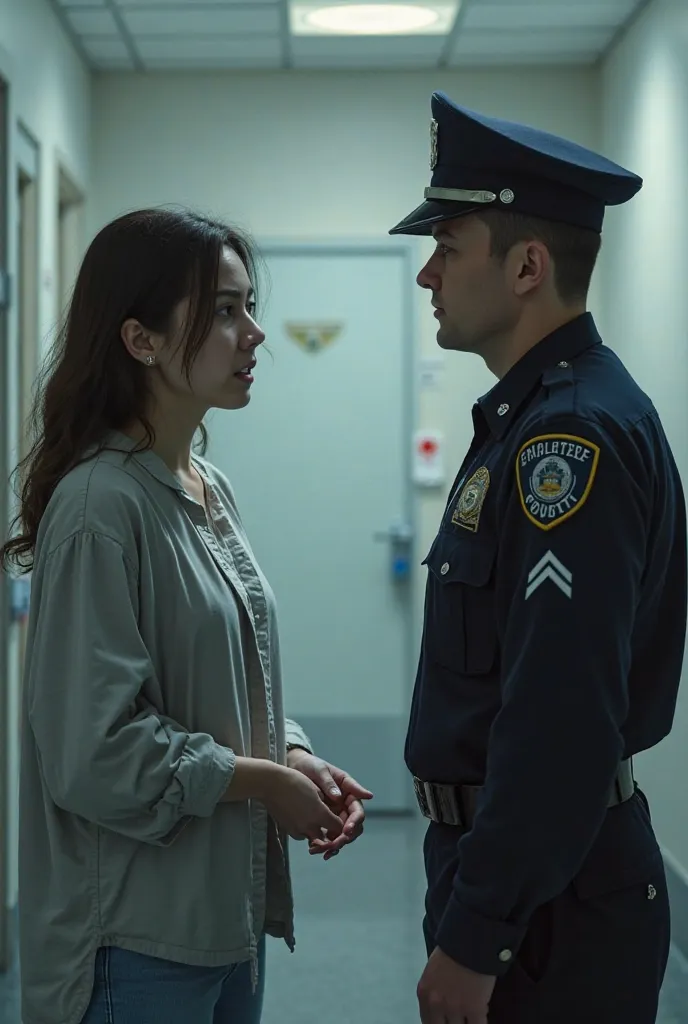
pixel 341 792
pixel 296 804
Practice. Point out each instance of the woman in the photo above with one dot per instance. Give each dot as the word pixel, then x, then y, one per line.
pixel 159 777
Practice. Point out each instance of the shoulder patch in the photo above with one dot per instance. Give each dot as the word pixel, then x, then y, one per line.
pixel 555 474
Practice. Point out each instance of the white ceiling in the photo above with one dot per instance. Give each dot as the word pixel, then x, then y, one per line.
pixel 152 35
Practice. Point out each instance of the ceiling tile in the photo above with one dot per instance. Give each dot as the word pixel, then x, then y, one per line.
pixel 210 53
pixel 367 46
pixel 137 5
pixel 366 51
pixel 92 23
pixel 548 42
pixel 497 60
pixel 107 53
pixel 203 21
pixel 623 6
pixel 531 15
pixel 357 62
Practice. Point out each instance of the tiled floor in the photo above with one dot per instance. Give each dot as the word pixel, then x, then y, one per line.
pixel 360 951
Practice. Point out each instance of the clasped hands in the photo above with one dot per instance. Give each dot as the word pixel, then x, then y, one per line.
pixel 342 794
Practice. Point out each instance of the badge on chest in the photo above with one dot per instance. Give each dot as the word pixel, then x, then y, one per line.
pixel 471 500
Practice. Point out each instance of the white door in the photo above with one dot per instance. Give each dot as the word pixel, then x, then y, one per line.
pixel 318 462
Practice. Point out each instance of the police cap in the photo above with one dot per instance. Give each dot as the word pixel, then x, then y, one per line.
pixel 483 163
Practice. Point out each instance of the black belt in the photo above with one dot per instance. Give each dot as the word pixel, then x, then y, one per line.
pixel 456 805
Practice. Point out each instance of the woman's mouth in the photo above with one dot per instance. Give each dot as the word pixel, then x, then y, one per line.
pixel 246 375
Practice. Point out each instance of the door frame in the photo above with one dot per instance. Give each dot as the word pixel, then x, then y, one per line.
pixel 71 202
pixel 8 216
pixel 408 249
pixel 28 292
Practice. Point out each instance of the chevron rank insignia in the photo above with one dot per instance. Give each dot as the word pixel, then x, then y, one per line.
pixel 550 568
pixel 555 474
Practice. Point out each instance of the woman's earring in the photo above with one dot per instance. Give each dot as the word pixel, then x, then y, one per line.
pixel 150 360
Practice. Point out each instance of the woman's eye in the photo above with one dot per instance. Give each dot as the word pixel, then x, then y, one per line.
pixel 228 311
pixel 443 250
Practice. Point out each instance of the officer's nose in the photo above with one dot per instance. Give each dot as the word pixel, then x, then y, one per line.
pixel 429 277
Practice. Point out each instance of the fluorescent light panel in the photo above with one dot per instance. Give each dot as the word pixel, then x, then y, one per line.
pixel 386 18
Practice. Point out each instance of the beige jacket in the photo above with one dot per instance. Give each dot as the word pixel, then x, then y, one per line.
pixel 152 662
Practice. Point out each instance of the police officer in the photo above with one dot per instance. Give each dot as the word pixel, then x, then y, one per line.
pixel 555 609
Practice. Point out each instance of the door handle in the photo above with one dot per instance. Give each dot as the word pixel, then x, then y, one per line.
pixel 399 536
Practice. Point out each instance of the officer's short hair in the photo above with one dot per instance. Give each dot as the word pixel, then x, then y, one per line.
pixel 574 250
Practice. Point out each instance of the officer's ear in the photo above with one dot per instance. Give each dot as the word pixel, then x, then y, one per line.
pixel 531 267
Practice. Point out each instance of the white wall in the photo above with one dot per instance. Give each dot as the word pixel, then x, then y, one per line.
pixel 645 279
pixel 316 155
pixel 50 93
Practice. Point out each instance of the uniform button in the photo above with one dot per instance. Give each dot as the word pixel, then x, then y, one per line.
pixel 505 956
pixel 445 569
pixel 651 892
pixel 563 364
pixel 503 409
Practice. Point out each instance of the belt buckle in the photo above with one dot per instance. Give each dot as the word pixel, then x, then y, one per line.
pixel 438 803
pixel 426 799
pixel 450 808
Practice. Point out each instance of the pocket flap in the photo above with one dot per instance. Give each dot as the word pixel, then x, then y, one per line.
pixel 469 561
pixel 604 877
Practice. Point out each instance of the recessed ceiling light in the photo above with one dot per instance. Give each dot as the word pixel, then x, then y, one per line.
pixel 373 19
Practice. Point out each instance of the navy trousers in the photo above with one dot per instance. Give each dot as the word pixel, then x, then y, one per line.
pixel 597 953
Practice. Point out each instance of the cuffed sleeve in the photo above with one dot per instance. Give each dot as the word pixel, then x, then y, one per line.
pixel 483 945
pixel 296 737
pixel 106 753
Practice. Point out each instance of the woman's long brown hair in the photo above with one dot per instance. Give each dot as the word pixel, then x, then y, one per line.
pixel 141 266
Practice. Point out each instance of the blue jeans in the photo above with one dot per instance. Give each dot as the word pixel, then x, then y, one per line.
pixel 134 989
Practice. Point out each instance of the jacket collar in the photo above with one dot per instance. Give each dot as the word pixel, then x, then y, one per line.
pixel 500 406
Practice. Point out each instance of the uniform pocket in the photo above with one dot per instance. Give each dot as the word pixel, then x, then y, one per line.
pixel 604 879
pixel 535 954
pixel 625 854
pixel 461 631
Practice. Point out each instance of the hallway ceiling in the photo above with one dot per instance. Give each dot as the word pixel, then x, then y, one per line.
pixel 162 35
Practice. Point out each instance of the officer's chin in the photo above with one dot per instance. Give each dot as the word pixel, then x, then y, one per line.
pixel 451 341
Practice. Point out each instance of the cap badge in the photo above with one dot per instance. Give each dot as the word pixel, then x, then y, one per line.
pixel 506 195
pixel 434 135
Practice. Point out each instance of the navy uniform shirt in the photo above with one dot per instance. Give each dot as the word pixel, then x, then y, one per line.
pixel 554 628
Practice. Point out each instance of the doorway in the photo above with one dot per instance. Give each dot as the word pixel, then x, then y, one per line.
pixel 69 236
pixel 27 281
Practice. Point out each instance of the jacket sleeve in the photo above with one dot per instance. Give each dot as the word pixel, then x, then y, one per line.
pixel 105 752
pixel 568 577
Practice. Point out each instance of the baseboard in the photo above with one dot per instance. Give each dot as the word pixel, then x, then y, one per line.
pixel 677 881
pixel 372 750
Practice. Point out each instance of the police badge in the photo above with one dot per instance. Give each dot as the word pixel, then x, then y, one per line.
pixel 471 500
pixel 434 140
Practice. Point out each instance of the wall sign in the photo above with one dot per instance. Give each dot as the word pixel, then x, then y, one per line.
pixel 313 337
